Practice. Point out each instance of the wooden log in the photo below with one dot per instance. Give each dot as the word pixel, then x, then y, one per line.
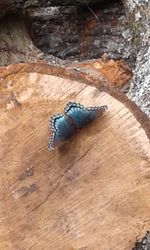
pixel 91 194
pixel 138 16
pixel 15 43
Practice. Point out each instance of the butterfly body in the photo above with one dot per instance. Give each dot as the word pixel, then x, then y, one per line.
pixel 75 116
pixel 80 115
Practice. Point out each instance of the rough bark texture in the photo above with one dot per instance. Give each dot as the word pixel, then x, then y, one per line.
pixel 72 33
pixel 84 37
pixel 139 18
pixel 93 193
pixel 15 44
pixel 7 5
pixel 144 244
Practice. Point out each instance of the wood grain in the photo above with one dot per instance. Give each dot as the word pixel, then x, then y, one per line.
pixel 91 194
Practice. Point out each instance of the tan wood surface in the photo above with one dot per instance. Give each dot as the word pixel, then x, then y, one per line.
pixel 94 193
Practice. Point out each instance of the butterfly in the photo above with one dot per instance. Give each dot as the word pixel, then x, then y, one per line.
pixel 75 117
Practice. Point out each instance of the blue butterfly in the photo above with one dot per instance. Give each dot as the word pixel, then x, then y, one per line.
pixel 75 116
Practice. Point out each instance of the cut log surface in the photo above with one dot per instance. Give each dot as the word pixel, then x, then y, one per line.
pixel 94 192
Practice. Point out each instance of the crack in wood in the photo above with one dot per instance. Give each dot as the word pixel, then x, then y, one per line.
pixel 57 184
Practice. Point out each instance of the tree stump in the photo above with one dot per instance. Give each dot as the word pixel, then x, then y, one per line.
pixel 93 193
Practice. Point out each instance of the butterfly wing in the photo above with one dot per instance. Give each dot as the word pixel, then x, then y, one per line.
pixel 82 116
pixel 62 129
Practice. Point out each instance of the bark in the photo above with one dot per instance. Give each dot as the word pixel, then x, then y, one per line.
pixel 66 33
pixel 94 191
pixel 9 5
pixel 15 43
pixel 139 20
pixel 78 34
pixel 144 244
pixel 16 46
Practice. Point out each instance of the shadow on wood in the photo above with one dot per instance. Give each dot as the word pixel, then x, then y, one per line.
pixel 93 193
